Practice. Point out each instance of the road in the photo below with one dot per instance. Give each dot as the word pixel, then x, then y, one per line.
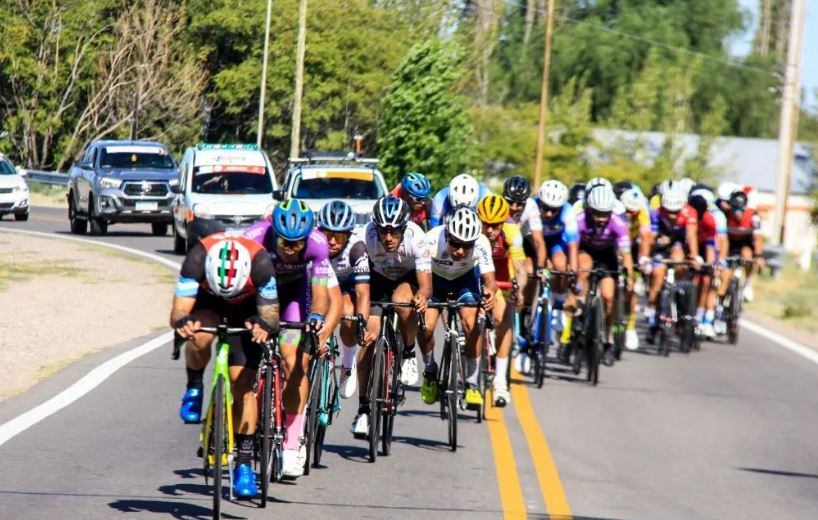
pixel 727 432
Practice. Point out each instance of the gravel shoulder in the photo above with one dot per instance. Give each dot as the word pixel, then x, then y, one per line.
pixel 60 301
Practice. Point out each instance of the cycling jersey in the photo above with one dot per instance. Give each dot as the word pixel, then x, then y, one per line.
pixel 740 229
pixel 613 235
pixel 445 267
pixel 351 265
pixel 529 218
pixel 442 207
pixel 314 258
pixel 192 281
pixel 412 254
pixel 707 230
pixel 562 227
pixel 507 248
pixel 640 224
pixel 675 230
pixel 618 208
pixel 419 216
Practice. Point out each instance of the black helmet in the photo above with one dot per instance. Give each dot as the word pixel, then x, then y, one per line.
pixel 738 201
pixel 391 211
pixel 698 203
pixel 517 189
pixel 621 187
pixel 576 192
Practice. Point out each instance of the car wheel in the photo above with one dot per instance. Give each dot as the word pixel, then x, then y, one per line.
pixel 79 226
pixel 21 216
pixel 98 225
pixel 179 243
pixel 159 229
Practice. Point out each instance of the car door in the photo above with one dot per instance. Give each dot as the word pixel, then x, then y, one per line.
pixel 180 201
pixel 85 175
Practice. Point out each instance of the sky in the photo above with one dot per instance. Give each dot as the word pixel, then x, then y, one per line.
pixel 809 66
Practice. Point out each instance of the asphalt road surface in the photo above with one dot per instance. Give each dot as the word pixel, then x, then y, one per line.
pixel 724 433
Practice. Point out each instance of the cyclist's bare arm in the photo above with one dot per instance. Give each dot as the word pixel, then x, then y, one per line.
pixel 424 291
pixel 521 275
pixel 182 306
pixel 334 313
pixel 573 256
pixel 539 247
pixel 692 231
pixel 644 243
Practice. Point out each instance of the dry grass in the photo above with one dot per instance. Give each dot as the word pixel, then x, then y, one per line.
pixel 47 195
pixel 791 298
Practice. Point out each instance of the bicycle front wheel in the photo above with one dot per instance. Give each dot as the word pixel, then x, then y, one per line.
pixel 322 411
pixel 596 341
pixel 219 443
pixel 266 432
pixel 311 415
pixel 452 392
pixel 375 397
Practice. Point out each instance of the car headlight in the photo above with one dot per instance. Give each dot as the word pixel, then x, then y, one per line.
pixel 21 187
pixel 108 182
pixel 201 211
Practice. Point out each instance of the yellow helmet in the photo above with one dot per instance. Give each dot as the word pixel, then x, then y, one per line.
pixel 493 209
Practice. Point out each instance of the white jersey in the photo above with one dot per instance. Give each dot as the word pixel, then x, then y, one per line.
pixel 412 254
pixel 529 218
pixel 351 265
pixel 445 267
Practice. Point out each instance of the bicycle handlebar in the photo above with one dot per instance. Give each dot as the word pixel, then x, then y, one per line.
pixel 421 317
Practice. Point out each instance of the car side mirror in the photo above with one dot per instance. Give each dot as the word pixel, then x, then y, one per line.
pixel 174 188
pixel 278 194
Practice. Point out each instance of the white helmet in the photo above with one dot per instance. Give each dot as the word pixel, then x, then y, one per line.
pixel 686 185
pixel 705 194
pixel 674 200
pixel 597 181
pixel 463 191
pixel 666 186
pixel 553 193
pixel 726 189
pixel 632 200
pixel 227 268
pixel 600 198
pixel 464 225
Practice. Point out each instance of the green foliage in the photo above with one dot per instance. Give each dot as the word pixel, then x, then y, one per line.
pixel 424 124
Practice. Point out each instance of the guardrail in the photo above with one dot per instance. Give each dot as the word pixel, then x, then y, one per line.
pixel 43 177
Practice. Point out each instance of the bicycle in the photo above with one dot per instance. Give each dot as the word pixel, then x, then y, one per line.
pixel 731 303
pixel 385 390
pixel 270 432
pixel 620 320
pixel 540 328
pixel 588 333
pixel 321 369
pixel 488 337
pixel 667 315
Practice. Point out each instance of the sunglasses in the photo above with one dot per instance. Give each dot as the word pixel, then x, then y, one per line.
pixel 293 245
pixel 495 226
pixel 514 204
pixel 456 244
pixel 549 209
pixel 341 237
pixel 390 231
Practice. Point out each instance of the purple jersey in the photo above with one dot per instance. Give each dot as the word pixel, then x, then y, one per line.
pixel 614 234
pixel 313 258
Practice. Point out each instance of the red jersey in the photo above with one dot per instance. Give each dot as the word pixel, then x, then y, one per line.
pixel 706 229
pixel 744 227
pixel 420 216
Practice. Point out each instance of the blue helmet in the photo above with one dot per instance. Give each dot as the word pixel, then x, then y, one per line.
pixel 336 215
pixel 292 219
pixel 391 211
pixel 416 184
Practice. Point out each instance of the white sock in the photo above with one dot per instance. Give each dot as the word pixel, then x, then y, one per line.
pixel 700 314
pixel 709 316
pixel 348 355
pixel 472 370
pixel 500 369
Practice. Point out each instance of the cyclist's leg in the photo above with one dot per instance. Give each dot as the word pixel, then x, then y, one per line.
pixel 586 262
pixel 564 300
pixel 749 265
pixel 530 259
pixel 197 355
pixel 706 300
pixel 503 315
pixel 407 325
pixel 348 334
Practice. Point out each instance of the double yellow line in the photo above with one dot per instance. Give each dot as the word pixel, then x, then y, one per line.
pixel 508 480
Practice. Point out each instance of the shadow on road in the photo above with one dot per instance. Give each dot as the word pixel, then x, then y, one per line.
pixel 351 453
pixel 780 473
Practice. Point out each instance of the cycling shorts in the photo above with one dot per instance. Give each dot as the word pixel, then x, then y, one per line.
pixel 465 289
pixel 556 244
pixel 381 288
pixel 606 258
pixel 243 351
pixel 737 245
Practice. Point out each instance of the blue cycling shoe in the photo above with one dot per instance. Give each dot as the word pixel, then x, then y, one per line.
pixel 244 482
pixel 191 410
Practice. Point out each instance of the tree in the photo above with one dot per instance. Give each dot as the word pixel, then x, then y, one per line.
pixel 424 124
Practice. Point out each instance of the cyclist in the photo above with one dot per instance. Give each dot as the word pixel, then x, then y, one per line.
pixel 461 258
pixel 463 190
pixel 639 229
pixel 301 258
pixel 508 256
pixel 414 188
pixel 400 271
pixel 590 185
pixel 226 276
pixel 523 211
pixel 559 224
pixel 350 263
pixel 711 231
pixel 674 229
pixel 576 192
pixel 743 224
pixel 603 239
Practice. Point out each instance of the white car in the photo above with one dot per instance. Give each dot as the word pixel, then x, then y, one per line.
pixel 230 185
pixel 13 191
pixel 320 179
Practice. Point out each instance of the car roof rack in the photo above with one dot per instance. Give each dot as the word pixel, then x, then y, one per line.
pixel 333 157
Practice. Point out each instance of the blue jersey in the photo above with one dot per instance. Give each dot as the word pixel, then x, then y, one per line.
pixel 562 227
pixel 442 207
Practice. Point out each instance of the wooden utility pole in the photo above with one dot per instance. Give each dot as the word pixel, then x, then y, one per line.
pixel 788 125
pixel 295 137
pixel 260 129
pixel 549 28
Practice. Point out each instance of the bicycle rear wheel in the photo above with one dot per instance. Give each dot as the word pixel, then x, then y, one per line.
pixel 219 443
pixel 266 433
pixel 664 315
pixel 375 398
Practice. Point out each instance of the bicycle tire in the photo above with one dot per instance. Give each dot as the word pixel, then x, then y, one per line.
pixel 599 337
pixel 443 382
pixel 218 444
pixel 391 378
pixel 664 315
pixel 311 416
pixel 485 363
pixel 735 310
pixel 321 429
pixel 452 393
pixel 266 431
pixel 375 402
pixel 619 324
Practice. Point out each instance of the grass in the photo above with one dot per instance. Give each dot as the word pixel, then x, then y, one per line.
pixel 17 271
pixel 791 298
pixel 161 273
pixel 46 194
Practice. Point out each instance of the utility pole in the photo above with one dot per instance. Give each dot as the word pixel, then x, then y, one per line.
pixel 549 28
pixel 295 137
pixel 260 129
pixel 135 114
pixel 788 125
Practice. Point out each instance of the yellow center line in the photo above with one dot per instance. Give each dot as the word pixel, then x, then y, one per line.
pixel 556 503
pixel 508 482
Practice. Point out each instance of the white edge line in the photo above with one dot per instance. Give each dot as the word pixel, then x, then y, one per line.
pixel 99 374
pixel 785 342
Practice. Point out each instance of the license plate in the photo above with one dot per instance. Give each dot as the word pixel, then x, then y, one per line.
pixel 147 206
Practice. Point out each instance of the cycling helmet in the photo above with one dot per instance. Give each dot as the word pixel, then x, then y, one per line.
pixel 598 181
pixel 705 193
pixel 463 191
pixel 493 209
pixel 464 225
pixel 686 185
pixel 632 200
pixel 416 184
pixel 674 200
pixel 336 215
pixel 666 186
pixel 227 267
pixel 726 189
pixel 738 201
pixel 576 192
pixel 293 219
pixel 391 211
pixel 601 199
pixel 553 194
pixel 621 187
pixel 517 189
pixel 699 203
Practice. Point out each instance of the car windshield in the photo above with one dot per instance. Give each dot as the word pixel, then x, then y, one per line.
pixel 135 159
pixel 232 182
pixel 337 188
pixel 6 168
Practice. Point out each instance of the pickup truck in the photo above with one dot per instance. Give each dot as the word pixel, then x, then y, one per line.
pixel 121 181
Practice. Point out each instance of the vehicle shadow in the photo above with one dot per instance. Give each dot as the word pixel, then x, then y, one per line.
pixel 780 473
